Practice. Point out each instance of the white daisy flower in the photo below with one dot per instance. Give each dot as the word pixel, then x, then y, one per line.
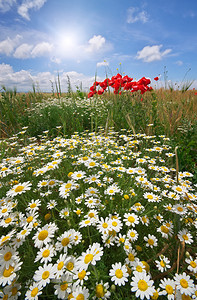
pixel 44 275
pixel 101 291
pixel 131 219
pixel 185 236
pixel 119 274
pixel 18 189
pixel 192 264
pixel 45 254
pixel 33 292
pixel 8 257
pixel 112 190
pixel 65 241
pixel 60 266
pixel 132 235
pixel 151 241
pixel 184 284
pixel 63 289
pixel 44 235
pixel 142 285
pixel 7 275
pixel 80 293
pixel 168 286
pixel 91 256
pixel 103 225
pixel 138 266
pixel 163 263
pixel 81 276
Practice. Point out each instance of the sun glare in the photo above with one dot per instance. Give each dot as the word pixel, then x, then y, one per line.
pixel 67 43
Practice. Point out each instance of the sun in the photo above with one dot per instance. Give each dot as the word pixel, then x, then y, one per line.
pixel 67 43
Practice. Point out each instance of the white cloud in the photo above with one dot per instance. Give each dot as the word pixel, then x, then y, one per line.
pixel 102 63
pixel 26 5
pixel 23 51
pixel 134 15
pixel 7 46
pixel 23 79
pixel 97 42
pixel 179 62
pixel 41 49
pixel 152 53
pixel 5 5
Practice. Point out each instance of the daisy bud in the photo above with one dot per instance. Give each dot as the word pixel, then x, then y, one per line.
pixel 113 287
pixel 187 254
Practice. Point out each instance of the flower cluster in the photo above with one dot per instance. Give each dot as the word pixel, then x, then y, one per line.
pixel 119 83
pixel 96 217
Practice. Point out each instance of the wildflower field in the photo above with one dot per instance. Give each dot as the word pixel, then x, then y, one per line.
pixel 98 196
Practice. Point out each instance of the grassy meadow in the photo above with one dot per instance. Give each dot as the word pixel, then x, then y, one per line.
pixel 98 195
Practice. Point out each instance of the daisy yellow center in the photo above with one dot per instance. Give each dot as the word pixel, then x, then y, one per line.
pixel 5 297
pixel 104 225
pixel 4 210
pixel 68 185
pixel 51 182
pixel 82 274
pixel 142 285
pixel 45 253
pixel 14 291
pixel 8 220
pixel 179 189
pixel 164 229
pixel 119 273
pixel 64 286
pixel 29 219
pixel 88 258
pixel 45 275
pixel 111 191
pixel 92 164
pixel 7 256
pixel 131 257
pixel 99 291
pixel 8 272
pixel 33 205
pixel 87 221
pixel 132 234
pixel 66 213
pixel 65 242
pixel 4 169
pixel 162 263
pixel 193 264
pixel 19 188
pixel 78 212
pixel 60 265
pixel 44 183
pixel 185 237
pixel 79 175
pixel 91 215
pixel 43 235
pixel 184 283
pixel 34 292
pixel 180 208
pixel 70 266
pixel 121 240
pixel 144 219
pixel 80 297
pixel 151 241
pixel 139 269
pixel 150 197
pixel 114 223
pixel 131 219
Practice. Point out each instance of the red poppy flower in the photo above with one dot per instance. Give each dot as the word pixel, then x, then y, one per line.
pixel 156 78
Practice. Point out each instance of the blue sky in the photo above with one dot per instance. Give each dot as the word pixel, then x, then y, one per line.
pixel 81 38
